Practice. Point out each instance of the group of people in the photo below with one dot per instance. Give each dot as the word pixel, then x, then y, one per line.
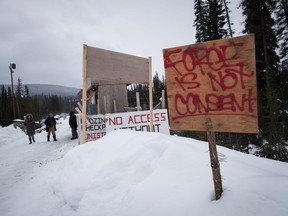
pixel 50 124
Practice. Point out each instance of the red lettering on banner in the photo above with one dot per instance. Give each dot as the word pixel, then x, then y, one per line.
pixel 115 121
pixel 130 120
pixel 137 119
pixel 156 117
pixel 95 136
pixel 145 118
pixel 163 117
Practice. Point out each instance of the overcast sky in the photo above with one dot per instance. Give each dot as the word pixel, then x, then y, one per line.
pixel 45 38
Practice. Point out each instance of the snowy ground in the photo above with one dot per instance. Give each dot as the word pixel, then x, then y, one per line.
pixel 129 173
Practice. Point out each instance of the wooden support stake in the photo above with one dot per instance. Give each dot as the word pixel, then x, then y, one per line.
pixel 78 111
pixel 151 95
pixel 114 106
pixel 79 124
pixel 138 101
pixel 98 107
pixel 163 102
pixel 214 159
pixel 84 94
pixel 105 104
pixel 108 104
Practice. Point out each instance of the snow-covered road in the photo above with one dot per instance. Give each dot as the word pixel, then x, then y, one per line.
pixel 21 161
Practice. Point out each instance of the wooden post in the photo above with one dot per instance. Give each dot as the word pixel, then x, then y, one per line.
pixel 214 159
pixel 108 104
pixel 98 107
pixel 138 101
pixel 151 95
pixel 84 94
pixel 114 106
pixel 163 102
pixel 79 124
pixel 105 104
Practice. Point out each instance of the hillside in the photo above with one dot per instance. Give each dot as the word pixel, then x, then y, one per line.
pixel 45 89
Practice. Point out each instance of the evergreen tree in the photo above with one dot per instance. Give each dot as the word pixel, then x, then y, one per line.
pixel 259 20
pixel 4 107
pixel 143 90
pixel 200 23
pixel 19 89
pixel 157 88
pixel 227 11
pixel 10 99
pixel 216 20
pixel 27 93
pixel 212 20
pixel 282 27
pixel 284 98
pixel 18 96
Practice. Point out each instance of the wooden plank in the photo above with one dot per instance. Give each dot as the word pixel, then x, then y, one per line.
pixel 163 104
pixel 84 94
pixel 138 101
pixel 151 95
pixel 214 161
pixel 215 79
pixel 108 67
pixel 115 92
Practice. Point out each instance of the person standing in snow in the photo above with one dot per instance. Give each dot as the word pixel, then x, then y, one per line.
pixel 30 127
pixel 50 123
pixel 73 125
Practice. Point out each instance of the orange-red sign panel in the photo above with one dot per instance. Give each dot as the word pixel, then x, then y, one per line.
pixel 215 81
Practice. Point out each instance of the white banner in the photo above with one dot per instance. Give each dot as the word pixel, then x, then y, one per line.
pixel 99 125
pixel 96 127
pixel 138 121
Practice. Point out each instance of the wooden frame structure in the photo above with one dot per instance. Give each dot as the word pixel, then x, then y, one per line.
pixel 107 67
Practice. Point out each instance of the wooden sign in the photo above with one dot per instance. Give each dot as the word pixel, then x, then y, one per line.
pixel 214 80
pixel 113 68
pixel 108 67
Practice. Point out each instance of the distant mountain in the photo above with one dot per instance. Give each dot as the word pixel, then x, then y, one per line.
pixel 39 89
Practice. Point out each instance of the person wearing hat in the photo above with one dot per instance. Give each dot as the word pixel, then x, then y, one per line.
pixel 30 127
pixel 50 123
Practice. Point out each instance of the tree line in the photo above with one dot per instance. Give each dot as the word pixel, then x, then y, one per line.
pixel 38 105
pixel 41 105
pixel 268 21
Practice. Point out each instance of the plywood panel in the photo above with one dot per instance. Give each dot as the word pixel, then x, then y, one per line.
pixel 113 92
pixel 215 80
pixel 107 67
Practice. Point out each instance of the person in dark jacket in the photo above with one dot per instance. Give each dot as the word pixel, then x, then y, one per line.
pixel 73 125
pixel 30 127
pixel 50 123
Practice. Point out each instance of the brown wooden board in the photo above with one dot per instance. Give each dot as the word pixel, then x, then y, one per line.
pixel 108 67
pixel 214 80
pixel 113 93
